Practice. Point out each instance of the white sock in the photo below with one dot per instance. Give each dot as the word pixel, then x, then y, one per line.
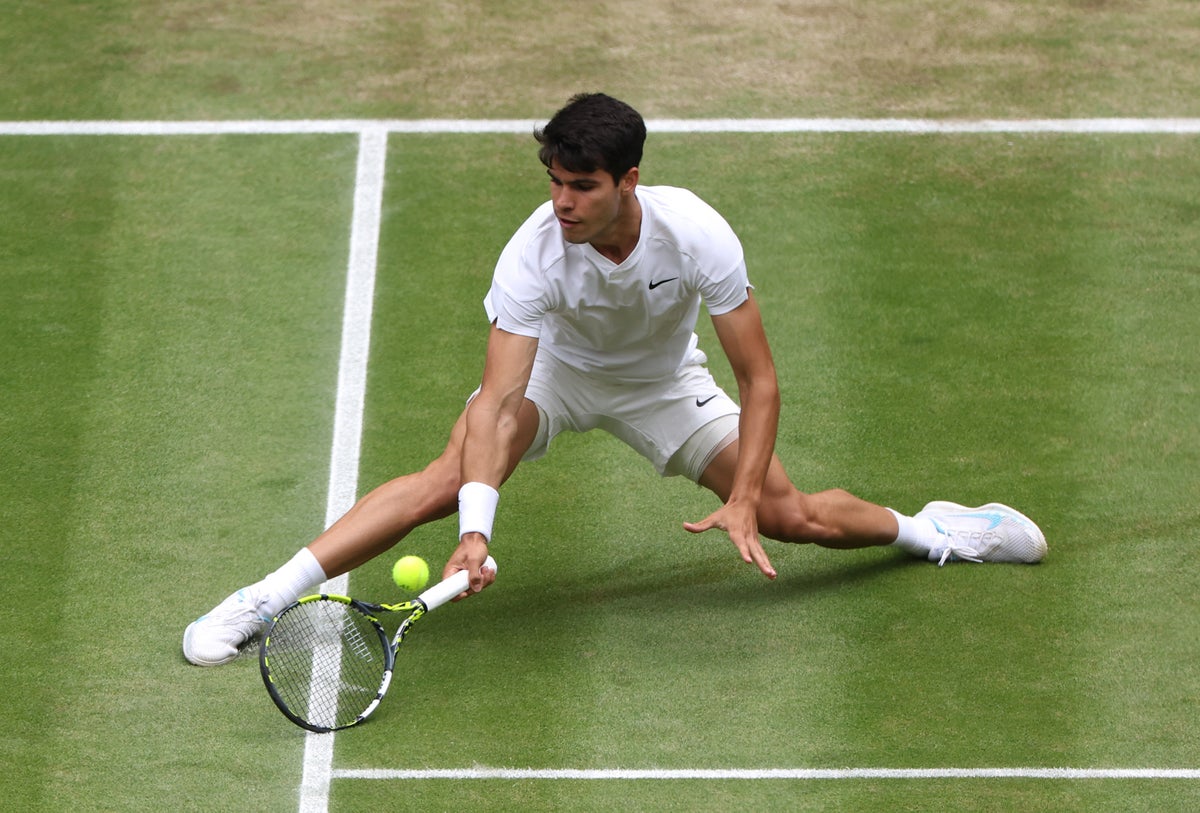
pixel 918 535
pixel 298 577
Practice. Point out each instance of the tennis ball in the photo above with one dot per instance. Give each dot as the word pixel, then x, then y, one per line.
pixel 410 572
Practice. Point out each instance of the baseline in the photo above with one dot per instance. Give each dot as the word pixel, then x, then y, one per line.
pixel 770 773
pixel 1112 126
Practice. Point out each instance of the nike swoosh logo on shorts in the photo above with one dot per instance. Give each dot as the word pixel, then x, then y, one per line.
pixel 700 403
pixel 654 284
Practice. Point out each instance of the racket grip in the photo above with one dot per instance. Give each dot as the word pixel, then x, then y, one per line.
pixel 450 587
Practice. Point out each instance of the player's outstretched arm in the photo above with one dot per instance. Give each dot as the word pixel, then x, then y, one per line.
pixel 493 426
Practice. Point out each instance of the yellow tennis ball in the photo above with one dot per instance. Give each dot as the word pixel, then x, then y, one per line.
pixel 410 572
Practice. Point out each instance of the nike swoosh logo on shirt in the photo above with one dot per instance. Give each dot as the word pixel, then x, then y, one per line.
pixel 654 284
pixel 700 403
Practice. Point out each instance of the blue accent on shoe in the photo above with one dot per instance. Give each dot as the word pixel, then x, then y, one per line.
pixel 991 516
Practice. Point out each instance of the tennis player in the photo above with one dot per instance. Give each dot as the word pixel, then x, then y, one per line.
pixel 592 311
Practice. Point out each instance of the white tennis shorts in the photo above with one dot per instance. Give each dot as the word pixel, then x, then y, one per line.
pixel 679 423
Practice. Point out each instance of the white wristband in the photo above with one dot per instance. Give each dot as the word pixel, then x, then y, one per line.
pixel 477 509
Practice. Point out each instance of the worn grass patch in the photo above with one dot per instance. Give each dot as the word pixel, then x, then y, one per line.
pixel 466 58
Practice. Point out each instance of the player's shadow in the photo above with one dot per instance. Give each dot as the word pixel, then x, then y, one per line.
pixel 717 581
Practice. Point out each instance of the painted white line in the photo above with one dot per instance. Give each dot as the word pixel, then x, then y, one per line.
pixel 356 323
pixel 348 413
pixel 926 126
pixel 773 773
pixel 1111 126
pixel 264 127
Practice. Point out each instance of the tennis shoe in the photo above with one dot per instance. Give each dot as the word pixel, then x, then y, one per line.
pixel 989 533
pixel 219 636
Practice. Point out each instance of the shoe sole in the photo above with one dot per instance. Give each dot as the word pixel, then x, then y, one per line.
pixel 1039 537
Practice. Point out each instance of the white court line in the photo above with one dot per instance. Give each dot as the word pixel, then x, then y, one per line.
pixel 1112 126
pixel 774 773
pixel 351 395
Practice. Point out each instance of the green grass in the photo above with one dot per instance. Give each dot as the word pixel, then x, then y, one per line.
pixel 170 322
pixel 966 317
pixel 970 318
pixel 949 355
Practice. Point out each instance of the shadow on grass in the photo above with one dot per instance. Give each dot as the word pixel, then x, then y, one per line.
pixel 646 581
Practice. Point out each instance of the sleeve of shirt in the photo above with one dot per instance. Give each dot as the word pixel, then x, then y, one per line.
pixel 517 301
pixel 723 278
pixel 511 314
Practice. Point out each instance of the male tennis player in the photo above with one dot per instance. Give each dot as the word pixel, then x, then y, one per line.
pixel 592 308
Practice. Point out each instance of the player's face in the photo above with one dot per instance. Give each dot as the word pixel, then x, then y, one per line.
pixel 591 206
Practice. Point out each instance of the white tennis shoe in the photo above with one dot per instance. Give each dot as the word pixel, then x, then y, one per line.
pixel 989 533
pixel 219 636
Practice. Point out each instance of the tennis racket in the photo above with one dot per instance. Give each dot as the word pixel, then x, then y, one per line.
pixel 326 660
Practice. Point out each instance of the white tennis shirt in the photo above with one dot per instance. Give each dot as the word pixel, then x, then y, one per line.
pixel 634 321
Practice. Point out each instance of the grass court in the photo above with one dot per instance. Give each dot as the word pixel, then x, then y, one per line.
pixel 971 316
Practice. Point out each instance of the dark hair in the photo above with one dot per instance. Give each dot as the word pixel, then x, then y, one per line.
pixel 592 132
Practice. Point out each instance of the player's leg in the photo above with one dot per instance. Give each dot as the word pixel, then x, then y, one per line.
pixel 698 420
pixel 387 514
pixel 832 519
pixel 372 526
pixel 940 532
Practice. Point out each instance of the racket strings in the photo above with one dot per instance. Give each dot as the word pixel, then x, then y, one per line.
pixel 327 662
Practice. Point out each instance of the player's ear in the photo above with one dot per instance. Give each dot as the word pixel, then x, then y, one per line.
pixel 629 180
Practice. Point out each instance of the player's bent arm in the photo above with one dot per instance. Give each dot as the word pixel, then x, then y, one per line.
pixel 744 341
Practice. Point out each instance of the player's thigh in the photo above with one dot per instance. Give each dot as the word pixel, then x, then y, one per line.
pixel 780 499
pixel 719 475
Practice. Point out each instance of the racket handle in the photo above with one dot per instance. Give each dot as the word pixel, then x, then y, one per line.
pixel 450 587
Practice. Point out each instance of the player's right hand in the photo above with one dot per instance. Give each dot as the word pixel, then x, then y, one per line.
pixel 470 554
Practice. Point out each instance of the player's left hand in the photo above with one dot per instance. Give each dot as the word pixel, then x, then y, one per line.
pixel 741 523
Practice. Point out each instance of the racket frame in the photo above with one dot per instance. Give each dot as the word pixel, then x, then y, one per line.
pixel 431 599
